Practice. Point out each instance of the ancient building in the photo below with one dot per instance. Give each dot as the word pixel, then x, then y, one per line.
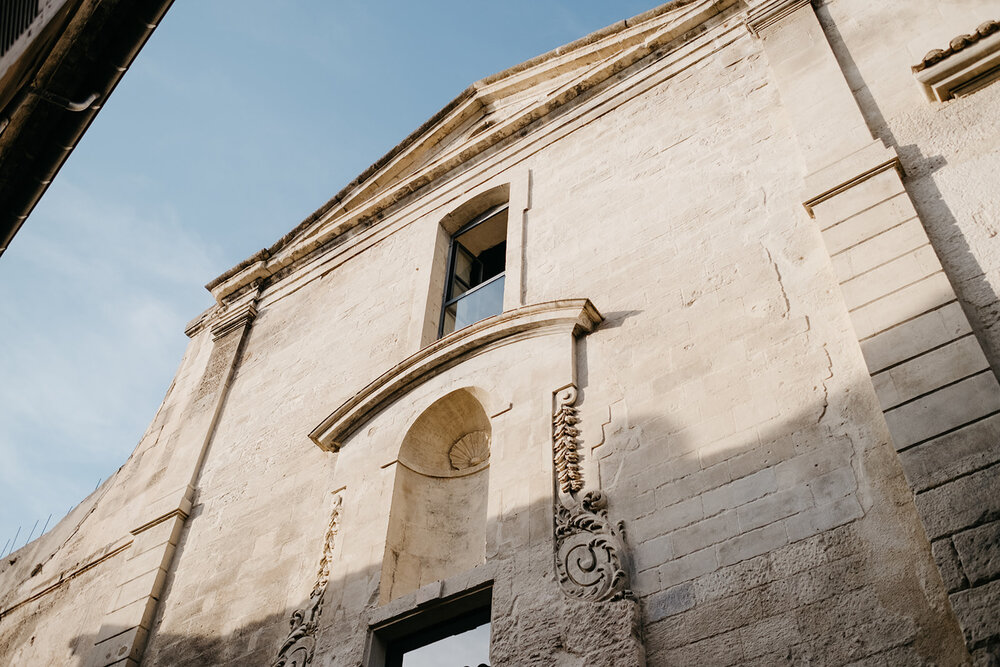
pixel 673 346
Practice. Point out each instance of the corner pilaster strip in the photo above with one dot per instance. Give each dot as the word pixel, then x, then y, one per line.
pixel 125 626
pixel 939 396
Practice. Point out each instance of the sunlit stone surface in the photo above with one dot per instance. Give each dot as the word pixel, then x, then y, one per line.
pixel 738 407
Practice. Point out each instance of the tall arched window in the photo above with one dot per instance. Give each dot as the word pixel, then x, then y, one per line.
pixel 476 261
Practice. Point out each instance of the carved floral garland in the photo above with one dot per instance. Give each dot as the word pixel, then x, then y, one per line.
pixel 590 549
pixel 298 648
pixel 566 441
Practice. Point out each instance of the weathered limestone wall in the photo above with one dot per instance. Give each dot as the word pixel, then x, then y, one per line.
pixel 742 440
pixel 950 152
pixel 726 407
pixel 745 446
pixel 255 537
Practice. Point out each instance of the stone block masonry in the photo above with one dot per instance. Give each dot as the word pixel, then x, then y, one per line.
pixel 937 390
pixel 734 410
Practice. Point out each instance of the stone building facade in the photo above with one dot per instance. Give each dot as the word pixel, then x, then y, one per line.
pixel 674 346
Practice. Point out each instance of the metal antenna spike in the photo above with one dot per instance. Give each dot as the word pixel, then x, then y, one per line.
pixel 14 541
pixel 32 532
pixel 46 525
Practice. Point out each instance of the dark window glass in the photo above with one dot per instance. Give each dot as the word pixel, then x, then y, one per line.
pixel 474 290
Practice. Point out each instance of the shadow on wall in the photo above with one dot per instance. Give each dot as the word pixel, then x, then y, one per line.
pixel 971 284
pixel 253 643
pixel 743 558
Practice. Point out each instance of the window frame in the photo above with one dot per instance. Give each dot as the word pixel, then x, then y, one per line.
pixel 388 637
pixel 450 266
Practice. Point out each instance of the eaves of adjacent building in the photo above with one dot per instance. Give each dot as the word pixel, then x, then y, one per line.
pixel 60 60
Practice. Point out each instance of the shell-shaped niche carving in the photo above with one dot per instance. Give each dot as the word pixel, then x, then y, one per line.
pixel 470 450
pixel 437 522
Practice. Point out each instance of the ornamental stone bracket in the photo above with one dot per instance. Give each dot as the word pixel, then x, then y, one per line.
pixel 968 62
pixel 591 557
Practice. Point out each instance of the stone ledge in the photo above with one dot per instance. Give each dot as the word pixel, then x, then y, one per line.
pixel 109 552
pixel 848 172
pixel 969 62
pixel 572 316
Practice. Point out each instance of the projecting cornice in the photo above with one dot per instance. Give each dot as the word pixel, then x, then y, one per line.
pixel 957 45
pixel 969 62
pixel 769 12
pixel 487 113
pixel 574 316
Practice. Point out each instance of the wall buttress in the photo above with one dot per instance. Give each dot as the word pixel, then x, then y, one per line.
pixel 939 397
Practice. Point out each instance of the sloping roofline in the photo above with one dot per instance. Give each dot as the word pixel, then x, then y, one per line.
pixel 640 42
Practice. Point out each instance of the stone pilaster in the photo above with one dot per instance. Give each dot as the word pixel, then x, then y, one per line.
pixel 126 624
pixel 940 399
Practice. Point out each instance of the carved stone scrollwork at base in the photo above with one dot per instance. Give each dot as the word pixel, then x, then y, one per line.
pixel 298 648
pixel 566 441
pixel 590 551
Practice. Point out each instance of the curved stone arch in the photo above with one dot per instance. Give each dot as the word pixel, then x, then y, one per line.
pixel 443 422
pixel 474 203
pixel 574 316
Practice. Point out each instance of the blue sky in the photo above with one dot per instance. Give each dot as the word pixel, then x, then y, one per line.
pixel 237 120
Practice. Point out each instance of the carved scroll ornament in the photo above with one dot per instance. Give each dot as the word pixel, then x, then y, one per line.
pixel 298 648
pixel 590 550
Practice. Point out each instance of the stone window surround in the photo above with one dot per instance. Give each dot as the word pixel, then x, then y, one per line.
pixel 485 217
pixel 968 63
pixel 516 183
pixel 425 608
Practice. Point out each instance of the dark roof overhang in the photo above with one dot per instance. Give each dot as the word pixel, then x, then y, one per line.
pixel 50 97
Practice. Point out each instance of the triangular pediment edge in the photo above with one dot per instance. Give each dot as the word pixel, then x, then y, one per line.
pixel 486 113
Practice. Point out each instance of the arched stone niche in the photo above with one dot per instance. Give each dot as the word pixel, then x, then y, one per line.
pixel 437 524
pixel 511 376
